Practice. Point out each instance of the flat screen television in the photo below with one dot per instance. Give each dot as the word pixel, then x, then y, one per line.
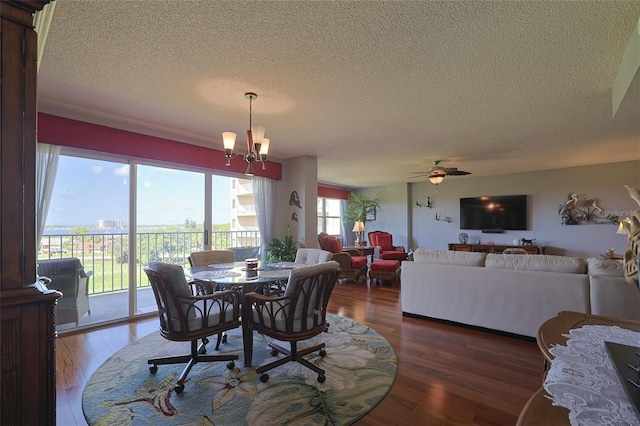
pixel 494 214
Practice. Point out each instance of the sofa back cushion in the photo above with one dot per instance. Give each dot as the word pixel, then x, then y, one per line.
pixel 609 267
pixel 449 257
pixel 538 262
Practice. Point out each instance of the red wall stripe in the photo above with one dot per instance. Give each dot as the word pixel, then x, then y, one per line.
pixel 327 192
pixel 78 134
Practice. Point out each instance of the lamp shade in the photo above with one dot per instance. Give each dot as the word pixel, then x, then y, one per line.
pixel 228 139
pixel 358 226
pixel 257 132
pixel 436 179
pixel 264 149
pixel 621 229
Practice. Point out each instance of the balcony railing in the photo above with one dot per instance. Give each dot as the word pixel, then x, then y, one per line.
pixel 107 255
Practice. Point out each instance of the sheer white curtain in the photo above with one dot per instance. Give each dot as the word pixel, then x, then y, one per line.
pixel 264 194
pixel 343 229
pixel 46 169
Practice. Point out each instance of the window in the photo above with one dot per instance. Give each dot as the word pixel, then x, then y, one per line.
pixel 329 216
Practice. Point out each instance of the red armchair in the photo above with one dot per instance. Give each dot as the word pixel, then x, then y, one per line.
pixel 353 265
pixel 384 241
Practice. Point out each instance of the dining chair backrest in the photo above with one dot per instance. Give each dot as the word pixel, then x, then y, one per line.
pixel 211 257
pixel 310 288
pixel 311 256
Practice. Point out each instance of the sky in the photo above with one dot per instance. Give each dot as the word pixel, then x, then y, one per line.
pixel 87 190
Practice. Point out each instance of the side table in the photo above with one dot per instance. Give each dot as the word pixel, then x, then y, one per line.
pixel 540 410
pixel 366 250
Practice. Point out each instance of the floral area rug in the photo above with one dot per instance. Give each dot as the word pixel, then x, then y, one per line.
pixel 360 369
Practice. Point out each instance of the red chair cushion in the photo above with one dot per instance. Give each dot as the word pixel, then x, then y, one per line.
pixel 385 241
pixel 385 265
pixel 393 255
pixel 332 244
pixel 358 262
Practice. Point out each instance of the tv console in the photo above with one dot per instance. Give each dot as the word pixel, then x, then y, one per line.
pixel 494 248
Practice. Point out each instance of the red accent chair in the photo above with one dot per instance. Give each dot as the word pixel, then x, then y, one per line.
pixel 353 264
pixel 384 241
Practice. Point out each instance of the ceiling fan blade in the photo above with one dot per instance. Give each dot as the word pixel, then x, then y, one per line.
pixel 453 171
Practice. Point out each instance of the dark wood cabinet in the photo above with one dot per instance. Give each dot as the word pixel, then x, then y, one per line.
pixel 27 327
pixel 494 248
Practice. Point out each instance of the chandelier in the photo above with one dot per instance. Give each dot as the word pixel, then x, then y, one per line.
pixel 257 144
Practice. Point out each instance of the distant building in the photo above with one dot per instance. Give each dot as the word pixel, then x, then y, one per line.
pixel 243 212
pixel 109 224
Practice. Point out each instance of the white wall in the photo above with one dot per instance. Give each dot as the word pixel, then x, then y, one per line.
pixel 546 190
pixel 392 215
pixel 299 174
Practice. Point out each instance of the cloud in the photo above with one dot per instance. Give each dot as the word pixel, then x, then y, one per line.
pixel 147 184
pixel 96 170
pixel 122 170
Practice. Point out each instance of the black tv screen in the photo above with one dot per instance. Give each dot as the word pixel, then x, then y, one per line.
pixel 506 212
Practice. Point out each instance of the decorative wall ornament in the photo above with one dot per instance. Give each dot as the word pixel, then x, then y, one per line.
pixel 294 199
pixel 632 254
pixel 429 203
pixel 576 211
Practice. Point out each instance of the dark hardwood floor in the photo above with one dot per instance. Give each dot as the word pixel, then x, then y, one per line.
pixel 447 374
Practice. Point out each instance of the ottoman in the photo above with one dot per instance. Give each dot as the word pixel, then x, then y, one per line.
pixel 385 270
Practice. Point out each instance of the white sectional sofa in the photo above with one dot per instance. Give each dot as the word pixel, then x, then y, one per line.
pixel 513 293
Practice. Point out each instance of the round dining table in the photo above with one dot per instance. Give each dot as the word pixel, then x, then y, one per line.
pixel 224 276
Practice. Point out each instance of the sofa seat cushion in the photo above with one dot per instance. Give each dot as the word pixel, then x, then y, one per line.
pixel 608 267
pixel 385 265
pixel 448 257
pixel 538 262
pixel 358 262
pixel 393 255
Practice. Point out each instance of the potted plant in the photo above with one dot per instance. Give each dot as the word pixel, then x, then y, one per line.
pixel 358 206
pixel 282 250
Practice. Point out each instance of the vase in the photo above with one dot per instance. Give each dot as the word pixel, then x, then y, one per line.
pixel 463 237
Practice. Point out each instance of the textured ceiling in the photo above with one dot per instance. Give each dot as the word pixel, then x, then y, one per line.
pixel 375 90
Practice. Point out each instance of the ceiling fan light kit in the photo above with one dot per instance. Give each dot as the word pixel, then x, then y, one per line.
pixel 257 144
pixel 437 173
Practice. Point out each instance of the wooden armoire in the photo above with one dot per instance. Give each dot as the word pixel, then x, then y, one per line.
pixel 27 327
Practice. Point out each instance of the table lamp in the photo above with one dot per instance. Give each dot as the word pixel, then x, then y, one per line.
pixel 358 228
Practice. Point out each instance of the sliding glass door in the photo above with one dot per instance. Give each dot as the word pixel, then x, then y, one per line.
pixel 88 219
pixel 117 215
pixel 169 221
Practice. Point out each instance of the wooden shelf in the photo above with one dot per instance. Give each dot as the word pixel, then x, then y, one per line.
pixel 494 248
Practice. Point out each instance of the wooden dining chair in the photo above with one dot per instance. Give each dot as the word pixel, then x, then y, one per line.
pixel 185 317
pixel 297 315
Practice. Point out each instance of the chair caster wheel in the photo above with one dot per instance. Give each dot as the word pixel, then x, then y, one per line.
pixel 153 369
pixel 231 365
pixel 224 339
pixel 274 352
pixel 264 377
pixel 322 352
pixel 321 379
pixel 180 388
pixel 203 351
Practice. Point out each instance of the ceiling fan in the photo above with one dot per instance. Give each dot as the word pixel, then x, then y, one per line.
pixel 437 173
